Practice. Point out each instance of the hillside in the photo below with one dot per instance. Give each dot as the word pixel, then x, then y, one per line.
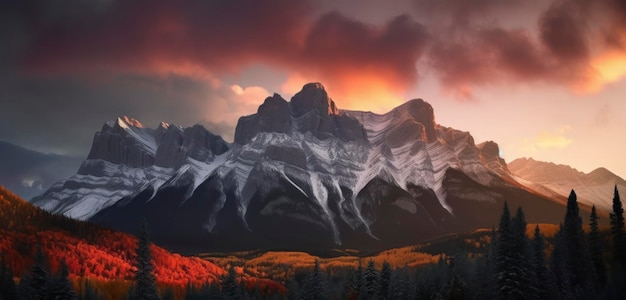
pixel 92 251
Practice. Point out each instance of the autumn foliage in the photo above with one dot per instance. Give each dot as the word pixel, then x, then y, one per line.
pixel 93 252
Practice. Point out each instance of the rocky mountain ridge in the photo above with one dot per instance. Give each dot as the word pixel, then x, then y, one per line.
pixel 301 173
pixel 593 188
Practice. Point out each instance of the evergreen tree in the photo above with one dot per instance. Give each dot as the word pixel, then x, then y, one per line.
pixel 559 269
pixel 8 290
pixel 522 256
pixel 385 280
pixel 369 289
pixel 145 287
pixel 508 271
pixel 315 285
pixel 577 257
pixel 484 282
pixel 24 290
pixel 595 247
pixel 458 272
pixel 541 279
pixel 60 287
pixel 293 290
pixel 399 285
pixel 39 275
pixel 353 284
pixel 230 285
pixel 617 230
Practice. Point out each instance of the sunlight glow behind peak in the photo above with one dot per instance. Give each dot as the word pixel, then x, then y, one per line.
pixel 361 92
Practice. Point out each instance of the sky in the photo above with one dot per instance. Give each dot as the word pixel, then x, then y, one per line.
pixel 543 79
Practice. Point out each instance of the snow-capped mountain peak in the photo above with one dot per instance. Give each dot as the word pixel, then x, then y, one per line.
pixel 299 170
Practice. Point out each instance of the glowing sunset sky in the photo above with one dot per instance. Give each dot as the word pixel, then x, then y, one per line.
pixel 544 79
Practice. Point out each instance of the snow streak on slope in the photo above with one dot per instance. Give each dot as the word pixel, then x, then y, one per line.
pixel 401 152
pixel 328 166
pixel 82 196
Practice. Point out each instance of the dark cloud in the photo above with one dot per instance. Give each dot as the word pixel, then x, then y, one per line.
pixel 61 115
pixel 159 60
pixel 148 35
pixel 562 31
pixel 225 36
pixel 515 53
pixel 337 47
pixel 476 43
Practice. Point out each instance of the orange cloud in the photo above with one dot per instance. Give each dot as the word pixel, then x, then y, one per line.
pixel 608 68
pixel 549 139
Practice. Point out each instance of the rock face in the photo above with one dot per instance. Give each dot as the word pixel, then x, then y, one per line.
pixel 272 116
pixel 490 152
pixel 301 174
pixel 310 110
pixel 124 141
pixel 126 158
pixel 313 98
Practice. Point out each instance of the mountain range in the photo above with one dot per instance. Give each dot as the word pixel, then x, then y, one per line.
pixel 593 188
pixel 303 174
pixel 29 173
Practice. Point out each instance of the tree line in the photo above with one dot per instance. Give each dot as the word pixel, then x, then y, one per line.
pixel 573 264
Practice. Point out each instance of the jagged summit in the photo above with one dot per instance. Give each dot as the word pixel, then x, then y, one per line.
pixel 313 98
pixel 124 122
pixel 310 110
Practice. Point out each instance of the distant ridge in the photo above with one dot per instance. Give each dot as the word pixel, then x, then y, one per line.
pixel 30 173
pixel 594 188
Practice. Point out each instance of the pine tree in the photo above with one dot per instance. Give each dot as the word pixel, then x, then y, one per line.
pixel 596 248
pixel 8 290
pixel 541 279
pixel 145 287
pixel 315 285
pixel 577 258
pixel 60 287
pixel 617 230
pixel 522 256
pixel 230 285
pixel 508 271
pixel 353 284
pixel 485 284
pixel 385 280
pixel 400 284
pixel 24 290
pixel 369 289
pixel 39 275
pixel 559 269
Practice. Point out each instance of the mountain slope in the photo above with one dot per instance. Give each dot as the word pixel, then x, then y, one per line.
pixel 126 158
pixel 91 251
pixel 301 174
pixel 29 173
pixel 594 188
